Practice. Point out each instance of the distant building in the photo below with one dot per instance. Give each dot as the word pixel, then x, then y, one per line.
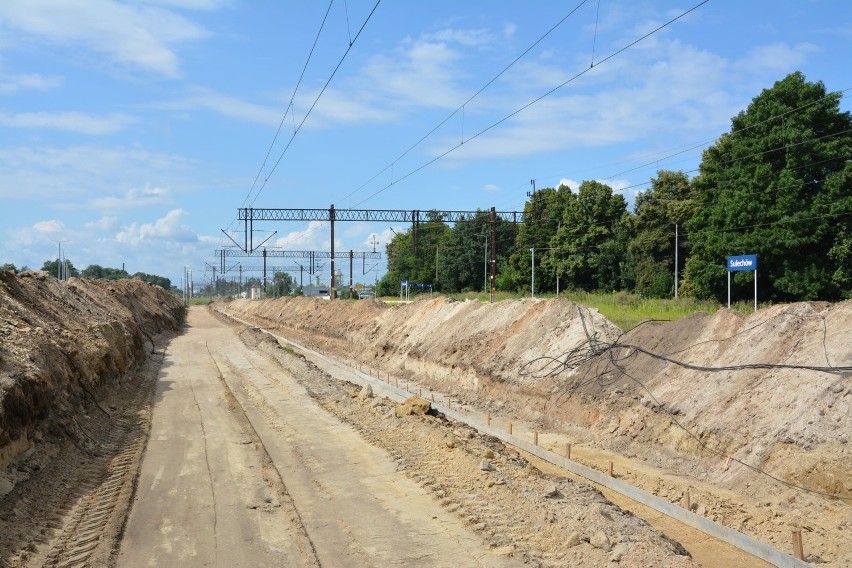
pixel 316 290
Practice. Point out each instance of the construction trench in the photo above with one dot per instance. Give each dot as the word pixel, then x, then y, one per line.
pixel 311 433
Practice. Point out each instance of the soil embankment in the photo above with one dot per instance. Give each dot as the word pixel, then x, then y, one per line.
pixel 61 342
pixel 681 396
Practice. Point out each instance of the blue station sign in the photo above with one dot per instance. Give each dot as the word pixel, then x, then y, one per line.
pixel 742 262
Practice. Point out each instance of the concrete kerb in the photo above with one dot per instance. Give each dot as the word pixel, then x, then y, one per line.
pixel 735 538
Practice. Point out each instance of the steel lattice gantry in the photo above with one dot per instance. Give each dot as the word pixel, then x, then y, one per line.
pixel 310 255
pixel 249 215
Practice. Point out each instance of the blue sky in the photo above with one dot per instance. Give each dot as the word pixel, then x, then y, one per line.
pixel 133 131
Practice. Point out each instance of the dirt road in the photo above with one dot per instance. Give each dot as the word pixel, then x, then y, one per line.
pixel 244 469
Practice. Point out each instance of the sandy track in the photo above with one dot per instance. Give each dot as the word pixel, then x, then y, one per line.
pixel 205 496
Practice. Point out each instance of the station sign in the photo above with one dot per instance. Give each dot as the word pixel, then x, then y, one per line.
pixel 742 262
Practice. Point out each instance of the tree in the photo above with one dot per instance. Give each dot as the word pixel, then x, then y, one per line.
pixel 542 217
pixel 411 255
pixel 8 266
pixel 93 271
pixel 669 201
pixel 590 246
pixel 779 184
pixel 282 284
pixel 160 281
pixel 52 268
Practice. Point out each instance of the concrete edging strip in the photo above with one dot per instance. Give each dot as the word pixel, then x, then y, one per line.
pixel 723 533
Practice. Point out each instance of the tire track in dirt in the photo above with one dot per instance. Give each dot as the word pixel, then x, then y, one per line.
pixel 85 505
pixel 269 472
pixel 515 508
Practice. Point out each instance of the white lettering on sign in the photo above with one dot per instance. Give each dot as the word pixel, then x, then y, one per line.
pixel 741 262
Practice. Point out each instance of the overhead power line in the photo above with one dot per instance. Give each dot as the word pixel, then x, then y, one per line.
pixel 461 107
pixel 532 102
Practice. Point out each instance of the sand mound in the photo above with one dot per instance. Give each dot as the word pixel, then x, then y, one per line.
pixel 791 422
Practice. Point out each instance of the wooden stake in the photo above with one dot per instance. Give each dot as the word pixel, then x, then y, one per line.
pixel 535 438
pixel 610 469
pixel 687 502
pixel 510 428
pixel 433 397
pixel 488 418
pixel 798 548
pixel 568 451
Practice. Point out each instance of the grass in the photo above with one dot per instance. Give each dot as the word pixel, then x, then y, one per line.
pixel 623 309
pixel 199 301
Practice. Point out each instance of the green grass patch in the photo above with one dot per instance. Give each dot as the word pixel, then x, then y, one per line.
pixel 621 308
pixel 198 301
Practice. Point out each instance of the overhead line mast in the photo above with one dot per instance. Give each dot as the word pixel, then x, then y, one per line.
pixel 248 215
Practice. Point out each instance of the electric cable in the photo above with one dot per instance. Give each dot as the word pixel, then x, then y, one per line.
pixel 534 101
pixel 587 356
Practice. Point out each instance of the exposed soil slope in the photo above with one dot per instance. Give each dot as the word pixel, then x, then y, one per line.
pixel 791 423
pixel 60 342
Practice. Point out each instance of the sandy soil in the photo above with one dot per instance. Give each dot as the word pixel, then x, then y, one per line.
pixel 762 449
pixel 78 365
pixel 672 428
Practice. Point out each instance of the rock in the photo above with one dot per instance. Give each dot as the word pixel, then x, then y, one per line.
pixel 701 510
pixel 366 391
pixel 485 465
pixel 450 443
pixel 6 486
pixel 488 454
pixel 413 406
pixel 552 491
pixel 573 540
pixel 618 552
pixel 600 540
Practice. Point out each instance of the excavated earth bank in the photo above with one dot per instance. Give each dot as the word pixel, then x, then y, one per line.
pixel 77 369
pixel 763 450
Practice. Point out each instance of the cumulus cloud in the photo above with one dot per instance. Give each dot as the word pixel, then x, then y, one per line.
pixel 106 223
pixel 52 226
pixel 168 228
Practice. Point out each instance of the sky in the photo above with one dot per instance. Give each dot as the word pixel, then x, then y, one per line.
pixel 131 132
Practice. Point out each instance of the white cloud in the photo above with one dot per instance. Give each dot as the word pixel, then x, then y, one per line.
pixel 225 105
pixel 492 188
pixel 467 38
pixel 71 121
pixel 776 57
pixel 106 223
pixel 509 30
pixel 71 177
pixel 168 228
pixel 132 199
pixel 135 36
pixel 310 238
pixel 51 226
pixel 28 82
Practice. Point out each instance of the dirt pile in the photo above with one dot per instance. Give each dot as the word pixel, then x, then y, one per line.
pixel 60 342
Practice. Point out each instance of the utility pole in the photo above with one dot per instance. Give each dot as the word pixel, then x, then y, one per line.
pixel 532 265
pixel 351 256
pixel 485 265
pixel 331 291
pixel 493 252
pixel 59 260
pixel 676 243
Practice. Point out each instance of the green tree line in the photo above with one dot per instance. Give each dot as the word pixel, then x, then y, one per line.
pixel 778 185
pixel 94 271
